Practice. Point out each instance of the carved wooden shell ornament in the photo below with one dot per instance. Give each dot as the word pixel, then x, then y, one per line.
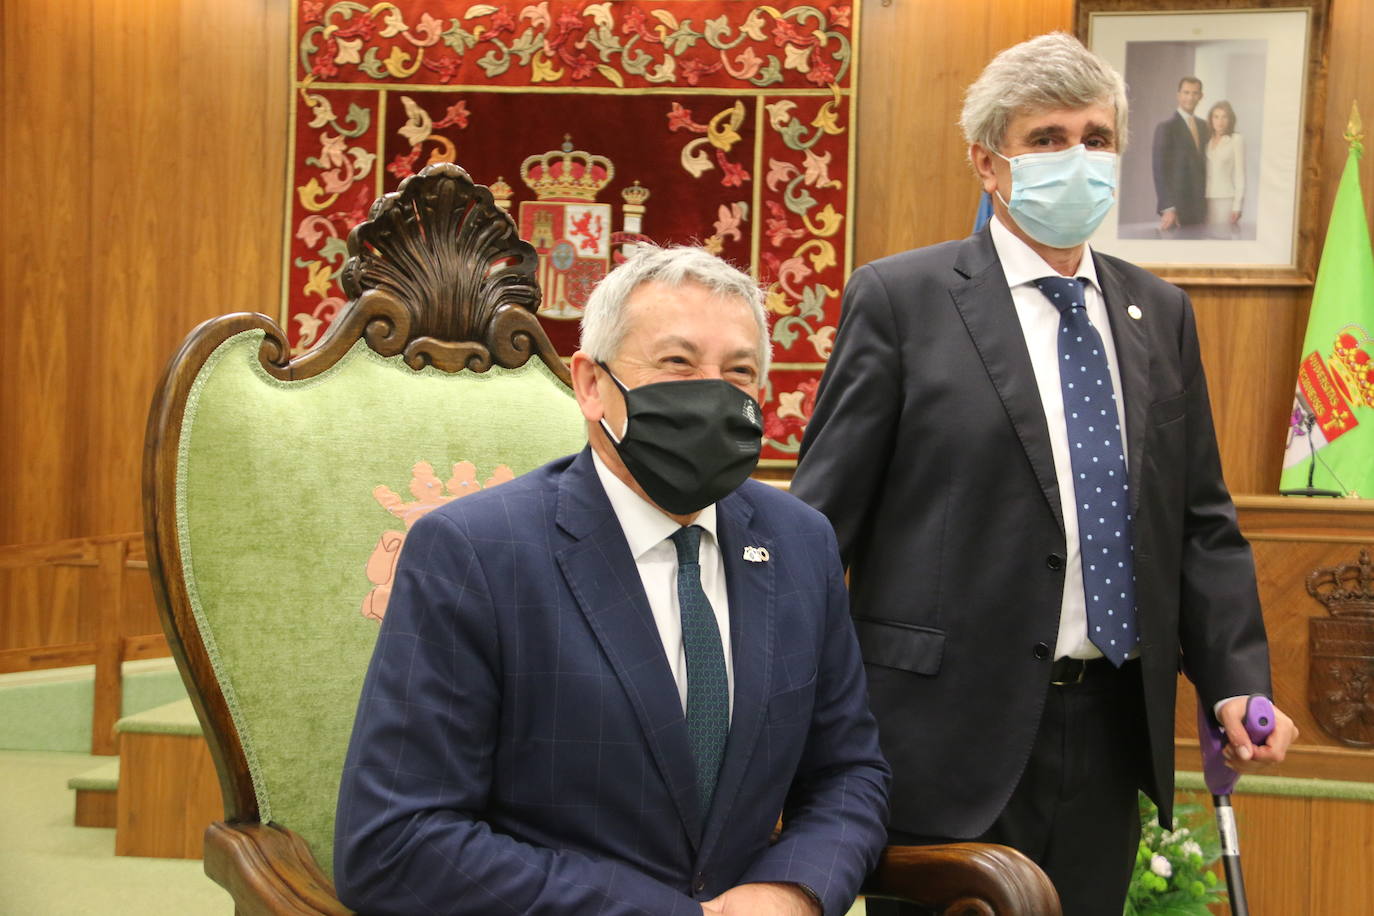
pixel 439 273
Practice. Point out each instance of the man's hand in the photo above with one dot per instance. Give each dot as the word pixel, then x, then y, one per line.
pixel 1243 755
pixel 764 900
pixel 1168 219
pixel 1235 217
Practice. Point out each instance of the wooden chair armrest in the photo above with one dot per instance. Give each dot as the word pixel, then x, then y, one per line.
pixel 269 871
pixel 964 878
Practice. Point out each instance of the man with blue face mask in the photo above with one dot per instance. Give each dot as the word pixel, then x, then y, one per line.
pixel 1014 443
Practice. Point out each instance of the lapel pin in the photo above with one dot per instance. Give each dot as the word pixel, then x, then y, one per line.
pixel 756 554
pixel 1133 311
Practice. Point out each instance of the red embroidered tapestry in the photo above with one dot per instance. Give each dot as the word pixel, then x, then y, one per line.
pixel 726 123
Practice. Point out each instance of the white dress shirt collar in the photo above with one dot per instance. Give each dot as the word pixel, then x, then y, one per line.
pixel 644 524
pixel 1023 265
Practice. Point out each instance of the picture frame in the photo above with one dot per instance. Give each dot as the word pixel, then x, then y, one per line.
pixel 1231 199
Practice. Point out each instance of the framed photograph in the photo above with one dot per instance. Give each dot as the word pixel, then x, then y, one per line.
pixel 1217 179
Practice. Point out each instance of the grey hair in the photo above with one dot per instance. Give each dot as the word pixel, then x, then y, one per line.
pixel 1047 72
pixel 604 319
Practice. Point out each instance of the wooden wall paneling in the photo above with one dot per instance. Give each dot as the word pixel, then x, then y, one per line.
pixel 158 129
pixel 1342 849
pixel 1276 841
pixel 1303 855
pixel 915 184
pixel 1275 850
pixel 236 61
pixel 45 283
pixel 150 191
pixel 1350 76
pixel 46 591
pixel 29 595
pixel 139 605
pixel 1249 341
pixel 65 598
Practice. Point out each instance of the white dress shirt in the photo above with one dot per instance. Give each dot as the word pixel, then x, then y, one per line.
pixel 1040 325
pixel 647 531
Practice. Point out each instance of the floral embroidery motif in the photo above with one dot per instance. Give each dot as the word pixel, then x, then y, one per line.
pixel 430 493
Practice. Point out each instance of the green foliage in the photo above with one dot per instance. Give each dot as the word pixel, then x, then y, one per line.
pixel 1171 876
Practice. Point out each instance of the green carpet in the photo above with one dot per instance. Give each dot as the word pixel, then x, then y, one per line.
pixel 49 867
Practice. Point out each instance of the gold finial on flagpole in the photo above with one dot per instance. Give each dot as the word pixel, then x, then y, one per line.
pixel 1354 129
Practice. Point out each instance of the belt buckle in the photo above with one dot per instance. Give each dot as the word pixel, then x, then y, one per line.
pixel 1077 678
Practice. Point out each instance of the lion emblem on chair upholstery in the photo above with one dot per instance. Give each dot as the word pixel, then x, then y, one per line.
pixel 430 493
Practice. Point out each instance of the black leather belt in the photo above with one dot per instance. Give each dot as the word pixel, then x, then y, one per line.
pixel 1069 672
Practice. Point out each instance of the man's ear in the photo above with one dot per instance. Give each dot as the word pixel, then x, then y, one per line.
pixel 984 164
pixel 585 387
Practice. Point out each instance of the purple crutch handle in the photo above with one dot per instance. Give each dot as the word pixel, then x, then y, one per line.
pixel 1259 724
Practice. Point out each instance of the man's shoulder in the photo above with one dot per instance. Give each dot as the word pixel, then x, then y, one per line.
pixel 780 510
pixel 491 508
pixel 917 260
pixel 1139 279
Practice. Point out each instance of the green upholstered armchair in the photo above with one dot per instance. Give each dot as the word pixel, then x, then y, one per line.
pixel 277 494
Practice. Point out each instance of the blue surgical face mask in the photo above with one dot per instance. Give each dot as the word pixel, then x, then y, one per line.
pixel 1060 198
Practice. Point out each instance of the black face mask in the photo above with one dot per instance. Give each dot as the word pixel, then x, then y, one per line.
pixel 688 443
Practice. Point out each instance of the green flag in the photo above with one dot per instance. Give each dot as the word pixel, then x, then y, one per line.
pixel 1331 430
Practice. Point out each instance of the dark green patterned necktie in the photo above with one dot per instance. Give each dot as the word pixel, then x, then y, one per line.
pixel 708 691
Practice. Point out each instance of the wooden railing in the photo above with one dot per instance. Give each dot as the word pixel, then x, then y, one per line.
pixel 83 601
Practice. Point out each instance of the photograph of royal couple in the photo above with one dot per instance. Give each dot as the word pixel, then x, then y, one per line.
pixel 1201 105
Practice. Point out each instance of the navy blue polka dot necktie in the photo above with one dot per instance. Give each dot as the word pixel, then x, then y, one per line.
pixel 1101 490
pixel 708 690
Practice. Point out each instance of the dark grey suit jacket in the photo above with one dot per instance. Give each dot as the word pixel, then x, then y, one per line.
pixel 1180 169
pixel 930 453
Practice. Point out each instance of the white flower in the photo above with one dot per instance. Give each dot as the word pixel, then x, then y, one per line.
pixel 1191 848
pixel 1160 866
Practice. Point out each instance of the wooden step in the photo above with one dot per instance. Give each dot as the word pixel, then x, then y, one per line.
pixel 96 795
pixel 168 792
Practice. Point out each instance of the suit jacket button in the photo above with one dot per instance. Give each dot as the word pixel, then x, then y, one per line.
pixel 1054 561
pixel 1042 650
pixel 698 884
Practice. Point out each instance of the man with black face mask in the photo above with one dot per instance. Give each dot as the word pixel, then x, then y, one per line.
pixel 599 685
pixel 1014 443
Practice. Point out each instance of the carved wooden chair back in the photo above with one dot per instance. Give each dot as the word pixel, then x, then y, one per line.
pixel 278 491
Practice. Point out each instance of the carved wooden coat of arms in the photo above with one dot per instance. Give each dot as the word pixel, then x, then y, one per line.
pixel 1340 684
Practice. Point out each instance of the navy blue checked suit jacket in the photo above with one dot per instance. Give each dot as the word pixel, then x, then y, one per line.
pixel 520 745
